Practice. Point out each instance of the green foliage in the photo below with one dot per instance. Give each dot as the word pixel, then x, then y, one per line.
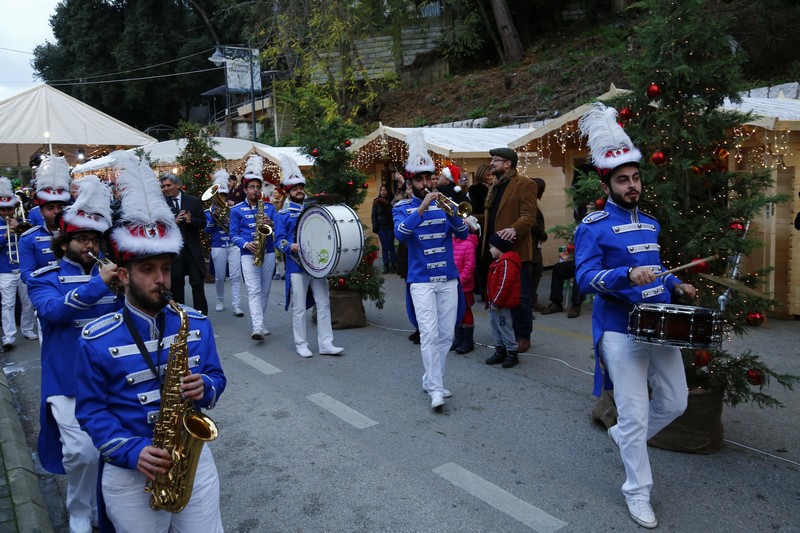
pixel 478 112
pixel 366 278
pixel 197 158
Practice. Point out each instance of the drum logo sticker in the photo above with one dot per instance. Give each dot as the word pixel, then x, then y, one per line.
pixel 323 256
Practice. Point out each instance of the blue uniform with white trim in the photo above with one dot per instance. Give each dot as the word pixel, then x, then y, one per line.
pixel 35 251
pixel 607 244
pixel 66 299
pixel 243 225
pixel 118 397
pixel 219 237
pixel 285 226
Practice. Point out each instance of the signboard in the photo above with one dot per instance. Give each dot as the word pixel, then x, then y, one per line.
pixel 240 65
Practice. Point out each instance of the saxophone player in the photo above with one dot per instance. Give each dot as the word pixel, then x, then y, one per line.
pixel 246 219
pixel 122 360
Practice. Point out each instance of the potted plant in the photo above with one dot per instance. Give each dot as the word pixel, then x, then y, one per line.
pixel 349 292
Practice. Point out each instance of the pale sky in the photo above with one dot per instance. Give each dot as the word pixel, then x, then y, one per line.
pixel 24 24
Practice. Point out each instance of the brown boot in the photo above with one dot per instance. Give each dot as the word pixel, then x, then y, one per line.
pixel 523 345
pixel 554 307
pixel 574 311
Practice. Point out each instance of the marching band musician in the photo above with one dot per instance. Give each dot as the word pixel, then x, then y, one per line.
pixel 122 362
pixel 244 222
pixel 52 194
pixel 67 296
pixel 617 258
pixel 434 296
pixel 10 283
pixel 224 254
pixel 298 282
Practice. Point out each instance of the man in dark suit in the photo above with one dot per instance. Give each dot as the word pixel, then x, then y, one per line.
pixel 191 220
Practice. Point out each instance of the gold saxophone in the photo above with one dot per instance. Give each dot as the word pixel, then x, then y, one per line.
pixel 262 232
pixel 181 429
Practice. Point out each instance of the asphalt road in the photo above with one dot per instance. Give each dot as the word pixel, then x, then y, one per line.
pixel 350 444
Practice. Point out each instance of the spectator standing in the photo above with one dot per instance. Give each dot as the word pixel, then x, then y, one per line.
pixel 465 258
pixel 502 295
pixel 382 225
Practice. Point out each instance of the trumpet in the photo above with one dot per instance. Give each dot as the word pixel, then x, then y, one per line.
pixel 12 242
pixel 463 209
pixel 222 212
pixel 116 285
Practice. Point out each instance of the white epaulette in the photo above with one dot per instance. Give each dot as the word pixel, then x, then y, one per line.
pixel 46 268
pixel 102 325
pixel 190 312
pixel 33 229
pixel 594 217
pixel 403 202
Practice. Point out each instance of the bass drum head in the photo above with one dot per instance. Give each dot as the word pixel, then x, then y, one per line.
pixel 331 240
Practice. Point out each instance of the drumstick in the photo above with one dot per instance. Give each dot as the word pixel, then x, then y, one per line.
pixel 688 265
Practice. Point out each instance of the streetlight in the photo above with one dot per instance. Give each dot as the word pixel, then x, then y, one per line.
pixel 233 58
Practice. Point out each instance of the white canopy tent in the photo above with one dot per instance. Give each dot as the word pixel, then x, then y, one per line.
pixel 44 118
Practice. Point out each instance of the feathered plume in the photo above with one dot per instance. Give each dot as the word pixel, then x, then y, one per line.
pixel 147 224
pixel 290 173
pixel 7 196
pixel 92 207
pixel 221 178
pixel 610 146
pixel 52 180
pixel 254 168
pixel 418 158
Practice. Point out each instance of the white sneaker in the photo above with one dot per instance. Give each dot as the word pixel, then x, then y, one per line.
pixel 612 434
pixel 303 351
pixel 437 401
pixel 30 336
pixel 265 331
pixel 331 350
pixel 219 307
pixel 642 513
pixel 447 393
pixel 257 335
pixel 237 311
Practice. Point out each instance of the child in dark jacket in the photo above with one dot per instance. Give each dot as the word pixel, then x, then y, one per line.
pixel 503 288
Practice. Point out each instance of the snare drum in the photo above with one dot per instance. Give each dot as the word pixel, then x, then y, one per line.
pixel 676 325
pixel 331 240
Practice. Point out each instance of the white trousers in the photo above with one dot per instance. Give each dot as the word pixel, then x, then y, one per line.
pixel 10 285
pixel 322 300
pixel 230 257
pixel 259 282
pixel 631 365
pixel 436 307
pixel 80 463
pixel 128 506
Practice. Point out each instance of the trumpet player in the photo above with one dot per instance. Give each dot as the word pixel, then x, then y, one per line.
pixel 224 254
pixel 245 219
pixel 67 296
pixel 10 283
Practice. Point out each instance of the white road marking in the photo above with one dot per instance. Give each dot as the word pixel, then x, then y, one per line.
pixel 528 514
pixel 257 363
pixel 337 408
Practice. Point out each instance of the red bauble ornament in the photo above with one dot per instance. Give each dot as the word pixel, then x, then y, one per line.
pixel 341 282
pixel 654 91
pixel 625 113
pixel 754 318
pixel 315 152
pixel 350 183
pixel 347 142
pixel 700 267
pixel 365 185
pixel 570 248
pixel 702 357
pixel 658 158
pixel 600 203
pixel 755 377
pixel 737 226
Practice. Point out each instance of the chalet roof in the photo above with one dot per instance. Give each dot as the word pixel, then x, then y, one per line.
pixel 770 113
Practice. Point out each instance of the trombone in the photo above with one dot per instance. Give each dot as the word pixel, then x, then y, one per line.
pixel 449 206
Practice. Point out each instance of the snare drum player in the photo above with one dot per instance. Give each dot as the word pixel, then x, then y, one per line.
pixel 433 296
pixel 617 258
pixel 297 281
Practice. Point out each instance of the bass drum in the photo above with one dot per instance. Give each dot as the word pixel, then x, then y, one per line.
pixel 331 240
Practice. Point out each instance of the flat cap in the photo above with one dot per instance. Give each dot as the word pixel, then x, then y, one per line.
pixel 505 153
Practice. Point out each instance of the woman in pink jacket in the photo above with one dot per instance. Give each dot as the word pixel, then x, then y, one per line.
pixel 464 253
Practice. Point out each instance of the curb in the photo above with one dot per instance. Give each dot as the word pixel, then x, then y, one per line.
pixel 27 502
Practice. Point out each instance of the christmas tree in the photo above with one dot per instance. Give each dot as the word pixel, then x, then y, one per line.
pixel 197 158
pixel 682 69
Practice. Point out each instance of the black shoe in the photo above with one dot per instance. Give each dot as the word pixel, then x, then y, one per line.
pixel 414 337
pixel 498 356
pixel 511 360
pixel 457 338
pixel 467 344
pixel 8 347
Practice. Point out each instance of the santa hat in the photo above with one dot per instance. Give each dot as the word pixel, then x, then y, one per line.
pixel 290 173
pixel 92 208
pixel 52 180
pixel 147 225
pixel 221 178
pixel 452 173
pixel 253 169
pixel 7 196
pixel 610 146
pixel 418 159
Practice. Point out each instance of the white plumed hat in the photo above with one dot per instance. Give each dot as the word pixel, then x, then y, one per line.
pixel 610 146
pixel 147 225
pixel 221 178
pixel 418 158
pixel 253 169
pixel 290 173
pixel 52 180
pixel 7 196
pixel 92 208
